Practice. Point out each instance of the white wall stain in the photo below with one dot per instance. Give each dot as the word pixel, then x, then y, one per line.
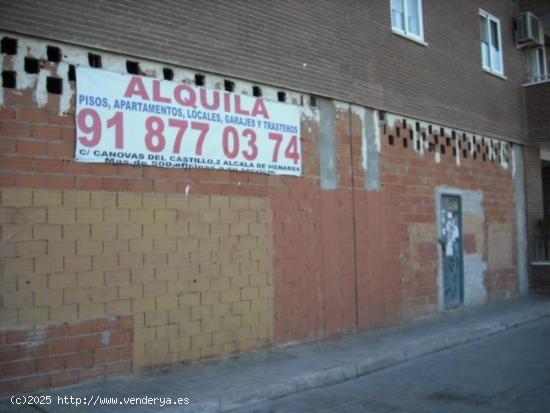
pixel 27 48
pixel 377 138
pixel 360 112
pixel 40 92
pixel 513 163
pixel 310 113
pixel 67 93
pixel 474 285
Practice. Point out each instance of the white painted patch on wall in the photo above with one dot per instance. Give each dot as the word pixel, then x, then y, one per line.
pixel 513 163
pixel 437 157
pixel 67 95
pixel 40 92
pixel 504 151
pixel 474 286
pixel 310 113
pixel 361 112
pixel 27 49
pixel 377 138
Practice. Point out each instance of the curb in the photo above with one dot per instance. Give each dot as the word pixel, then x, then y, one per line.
pixel 335 375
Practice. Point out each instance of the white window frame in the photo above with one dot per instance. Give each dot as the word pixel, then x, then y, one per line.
pixel 406 33
pixel 491 68
pixel 542 74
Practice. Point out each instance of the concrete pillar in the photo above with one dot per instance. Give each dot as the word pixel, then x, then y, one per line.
pixel 372 134
pixel 533 195
pixel 327 145
pixel 521 217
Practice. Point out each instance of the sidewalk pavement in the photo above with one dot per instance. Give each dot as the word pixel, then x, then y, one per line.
pixel 228 384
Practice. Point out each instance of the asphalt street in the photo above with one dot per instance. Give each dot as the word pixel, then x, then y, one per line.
pixel 506 372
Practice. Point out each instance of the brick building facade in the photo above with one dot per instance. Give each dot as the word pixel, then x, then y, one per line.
pixel 112 269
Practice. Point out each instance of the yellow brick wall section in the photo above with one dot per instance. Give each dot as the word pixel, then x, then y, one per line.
pixel 196 272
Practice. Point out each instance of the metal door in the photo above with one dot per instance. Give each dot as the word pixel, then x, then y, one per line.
pixel 451 243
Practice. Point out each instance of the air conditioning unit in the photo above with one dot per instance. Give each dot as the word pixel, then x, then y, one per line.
pixel 529 30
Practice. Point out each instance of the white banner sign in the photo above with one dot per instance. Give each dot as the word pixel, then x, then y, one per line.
pixel 135 120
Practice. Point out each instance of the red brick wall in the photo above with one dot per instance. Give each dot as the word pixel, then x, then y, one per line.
pixel 342 259
pixel 40 357
pixel 537 99
pixel 408 181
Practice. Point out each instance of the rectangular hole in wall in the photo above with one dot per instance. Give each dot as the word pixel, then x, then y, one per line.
pixel 281 96
pixel 475 155
pixel 418 145
pixel 9 45
pixel 54 85
pixel 313 101
pixel 453 134
pixel 71 74
pixel 405 143
pixel 442 131
pixel 53 53
pixel 411 134
pixel 32 65
pixel 228 85
pixel 132 67
pixel 9 79
pixel 398 131
pixel 417 126
pixel 463 136
pixel 256 91
pixel 381 115
pixel 404 123
pixel 199 79
pixel 94 60
pixel 430 129
pixel 454 151
pixel 167 73
pixel 442 149
pixel 448 141
pixel 436 139
pixel 390 139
